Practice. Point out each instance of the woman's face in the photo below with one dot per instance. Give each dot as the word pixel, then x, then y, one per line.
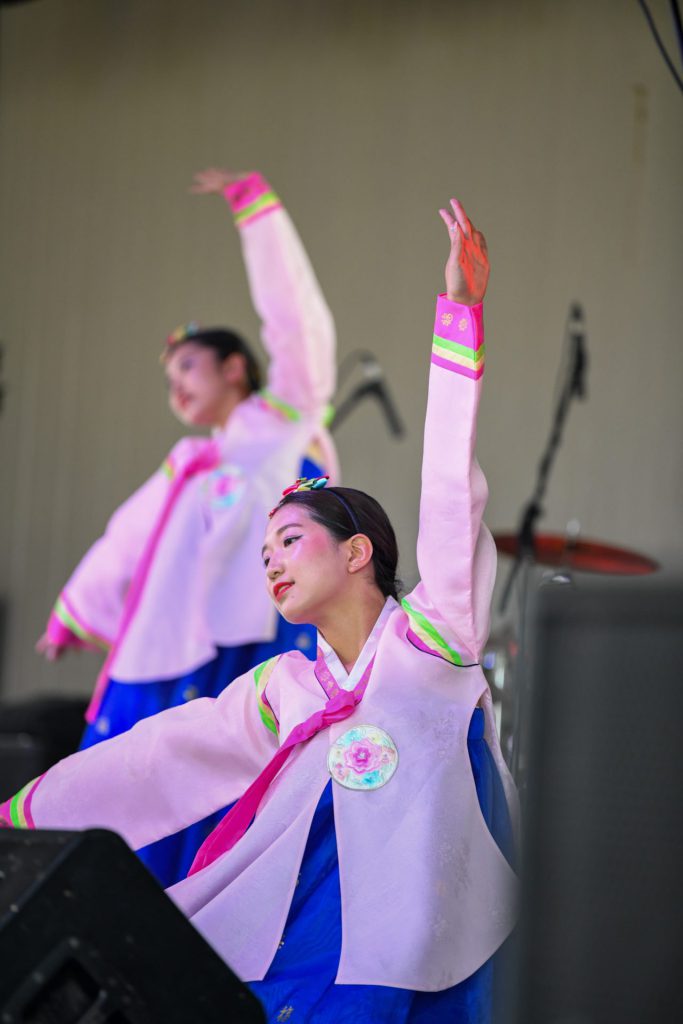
pixel 306 567
pixel 201 387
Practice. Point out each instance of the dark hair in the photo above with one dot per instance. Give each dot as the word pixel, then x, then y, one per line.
pixel 345 511
pixel 224 343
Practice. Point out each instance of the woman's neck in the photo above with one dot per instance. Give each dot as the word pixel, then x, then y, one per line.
pixel 350 625
pixel 228 406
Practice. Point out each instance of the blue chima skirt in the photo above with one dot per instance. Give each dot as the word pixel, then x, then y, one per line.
pixel 299 986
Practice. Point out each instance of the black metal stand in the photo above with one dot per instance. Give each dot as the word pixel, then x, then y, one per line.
pixel 573 386
pixel 372 385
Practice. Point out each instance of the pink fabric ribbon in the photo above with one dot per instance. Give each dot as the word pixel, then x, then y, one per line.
pixel 207 458
pixel 236 822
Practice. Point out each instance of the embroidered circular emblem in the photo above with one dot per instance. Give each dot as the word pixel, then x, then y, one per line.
pixel 225 486
pixel 365 757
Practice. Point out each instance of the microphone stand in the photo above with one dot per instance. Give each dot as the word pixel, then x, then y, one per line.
pixel 573 387
pixel 371 386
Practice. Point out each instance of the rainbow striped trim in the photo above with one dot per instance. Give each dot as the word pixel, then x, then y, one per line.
pixel 458 343
pixel 68 617
pixel 168 469
pixel 257 208
pixel 424 635
pixel 463 359
pixel 18 809
pixel 262 676
pixel 288 411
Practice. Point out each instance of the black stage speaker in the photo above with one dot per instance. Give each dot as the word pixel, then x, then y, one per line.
pixel 601 936
pixel 87 936
pixel 34 734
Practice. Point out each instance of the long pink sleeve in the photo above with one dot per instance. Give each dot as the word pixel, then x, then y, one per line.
pixel 163 774
pixel 88 609
pixel 450 607
pixel 90 605
pixel 297 326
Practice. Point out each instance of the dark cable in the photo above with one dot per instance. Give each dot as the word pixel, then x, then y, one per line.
pixel 660 44
pixel 678 24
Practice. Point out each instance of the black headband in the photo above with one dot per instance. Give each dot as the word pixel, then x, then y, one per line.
pixel 348 508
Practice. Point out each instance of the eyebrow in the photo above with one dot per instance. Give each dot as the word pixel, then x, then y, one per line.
pixel 281 530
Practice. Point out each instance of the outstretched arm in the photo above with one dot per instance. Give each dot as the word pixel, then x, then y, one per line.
pixel 449 608
pixel 165 773
pixel 297 326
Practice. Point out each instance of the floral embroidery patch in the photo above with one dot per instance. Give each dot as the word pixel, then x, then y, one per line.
pixel 225 486
pixel 365 757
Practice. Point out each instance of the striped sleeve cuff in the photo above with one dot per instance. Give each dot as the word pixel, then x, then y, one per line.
pixel 65 621
pixel 250 199
pixel 16 812
pixel 458 343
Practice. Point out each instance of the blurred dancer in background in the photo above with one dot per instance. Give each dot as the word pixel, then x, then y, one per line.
pixel 173 590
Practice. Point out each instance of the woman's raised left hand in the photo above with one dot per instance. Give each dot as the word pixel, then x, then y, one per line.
pixel 215 179
pixel 467 267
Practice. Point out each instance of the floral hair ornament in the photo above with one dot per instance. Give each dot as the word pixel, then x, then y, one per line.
pixel 303 483
pixel 311 483
pixel 316 483
pixel 185 332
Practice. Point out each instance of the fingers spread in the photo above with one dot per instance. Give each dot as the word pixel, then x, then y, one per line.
pixel 446 218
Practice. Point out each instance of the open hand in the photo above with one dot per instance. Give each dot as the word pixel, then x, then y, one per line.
pixel 51 650
pixel 214 179
pixel 467 267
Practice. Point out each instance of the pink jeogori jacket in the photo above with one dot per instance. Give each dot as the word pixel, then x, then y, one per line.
pixel 427 897
pixel 203 587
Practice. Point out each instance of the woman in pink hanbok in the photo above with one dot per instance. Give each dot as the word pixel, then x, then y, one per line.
pixel 366 872
pixel 172 591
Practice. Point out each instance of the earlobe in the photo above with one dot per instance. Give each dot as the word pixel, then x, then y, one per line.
pixel 360 552
pixel 234 369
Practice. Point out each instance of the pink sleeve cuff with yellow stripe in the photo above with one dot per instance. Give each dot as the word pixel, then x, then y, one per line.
pixel 59 634
pixel 458 343
pixel 66 629
pixel 250 199
pixel 16 812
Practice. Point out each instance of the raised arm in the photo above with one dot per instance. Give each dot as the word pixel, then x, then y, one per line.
pixel 449 608
pixel 168 771
pixel 297 327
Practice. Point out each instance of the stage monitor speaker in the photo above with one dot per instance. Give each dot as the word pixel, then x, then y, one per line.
pixel 601 936
pixel 88 936
pixel 35 733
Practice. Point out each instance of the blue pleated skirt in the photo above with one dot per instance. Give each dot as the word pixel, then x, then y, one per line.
pixel 299 987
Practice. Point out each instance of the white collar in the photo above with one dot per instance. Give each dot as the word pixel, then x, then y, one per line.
pixel 348 680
